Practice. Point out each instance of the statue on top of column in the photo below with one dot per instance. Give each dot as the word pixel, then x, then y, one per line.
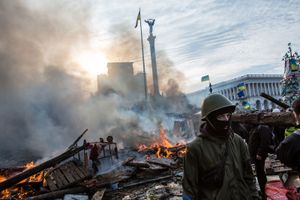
pixel 150 22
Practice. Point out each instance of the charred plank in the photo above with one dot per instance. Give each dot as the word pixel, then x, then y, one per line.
pixel 19 177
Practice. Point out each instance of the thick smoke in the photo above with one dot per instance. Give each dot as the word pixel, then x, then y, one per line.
pixel 126 45
pixel 39 95
pixel 45 102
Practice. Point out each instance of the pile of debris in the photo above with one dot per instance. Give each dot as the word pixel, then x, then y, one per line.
pixel 151 172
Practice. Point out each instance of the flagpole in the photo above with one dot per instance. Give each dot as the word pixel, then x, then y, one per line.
pixel 143 57
pixel 210 88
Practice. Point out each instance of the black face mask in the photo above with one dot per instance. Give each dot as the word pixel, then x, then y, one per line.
pixel 218 127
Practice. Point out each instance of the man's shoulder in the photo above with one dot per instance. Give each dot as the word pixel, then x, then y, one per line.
pixel 237 139
pixel 293 138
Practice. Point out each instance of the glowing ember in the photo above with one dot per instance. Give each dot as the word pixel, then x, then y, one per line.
pixel 21 193
pixel 29 165
pixel 2 178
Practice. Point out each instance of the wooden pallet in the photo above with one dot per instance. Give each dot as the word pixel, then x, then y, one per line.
pixel 65 175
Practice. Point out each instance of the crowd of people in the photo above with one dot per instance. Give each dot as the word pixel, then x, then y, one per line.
pixel 218 162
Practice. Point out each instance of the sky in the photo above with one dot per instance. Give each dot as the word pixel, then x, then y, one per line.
pixel 222 38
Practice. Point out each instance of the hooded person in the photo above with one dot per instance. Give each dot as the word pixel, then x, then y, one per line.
pixel 217 164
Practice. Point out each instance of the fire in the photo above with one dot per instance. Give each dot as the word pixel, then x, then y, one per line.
pixel 29 165
pixel 21 193
pixel 2 178
pixel 163 147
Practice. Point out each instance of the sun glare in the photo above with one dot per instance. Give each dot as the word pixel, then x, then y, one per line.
pixel 93 62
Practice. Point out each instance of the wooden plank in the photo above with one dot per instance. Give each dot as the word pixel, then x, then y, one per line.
pixel 139 164
pixel 73 172
pixel 99 194
pixel 50 182
pixel 57 179
pixel 80 173
pixel 76 171
pixel 67 174
pixel 29 172
pixel 129 159
pixel 61 177
pixel 83 170
pixel 162 163
pixel 58 194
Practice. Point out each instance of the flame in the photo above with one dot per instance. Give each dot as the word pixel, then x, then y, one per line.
pixel 164 139
pixel 2 178
pixel 21 192
pixel 162 146
pixel 29 165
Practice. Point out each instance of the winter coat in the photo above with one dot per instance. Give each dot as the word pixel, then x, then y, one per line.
pixel 260 141
pixel 203 154
pixel 288 152
pixel 94 153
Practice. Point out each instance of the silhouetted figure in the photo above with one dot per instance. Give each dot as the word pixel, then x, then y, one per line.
pixel 260 144
pixel 94 158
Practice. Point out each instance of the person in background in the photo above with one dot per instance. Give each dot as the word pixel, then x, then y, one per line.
pixel 241 130
pixel 288 151
pixel 94 158
pixel 217 164
pixel 260 144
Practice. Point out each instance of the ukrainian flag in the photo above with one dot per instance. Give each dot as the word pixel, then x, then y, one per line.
pixel 246 105
pixel 241 94
pixel 205 78
pixel 241 86
pixel 293 65
pixel 138 18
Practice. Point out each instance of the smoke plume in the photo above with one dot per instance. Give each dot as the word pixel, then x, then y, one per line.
pixel 45 101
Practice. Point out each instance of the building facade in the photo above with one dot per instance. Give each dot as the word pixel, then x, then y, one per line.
pixel 121 80
pixel 254 84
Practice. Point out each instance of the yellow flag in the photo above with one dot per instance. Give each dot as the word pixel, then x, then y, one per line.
pixel 137 19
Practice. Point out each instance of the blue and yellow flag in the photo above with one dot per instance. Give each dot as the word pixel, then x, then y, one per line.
pixel 293 65
pixel 205 78
pixel 138 18
pixel 246 105
pixel 241 86
pixel 241 93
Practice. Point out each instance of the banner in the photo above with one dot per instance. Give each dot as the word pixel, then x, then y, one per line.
pixel 205 78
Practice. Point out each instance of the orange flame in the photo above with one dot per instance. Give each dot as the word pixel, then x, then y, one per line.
pixel 162 146
pixel 21 193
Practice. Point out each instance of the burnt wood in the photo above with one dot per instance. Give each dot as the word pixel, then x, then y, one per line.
pixel 57 194
pixel 27 173
pixel 65 175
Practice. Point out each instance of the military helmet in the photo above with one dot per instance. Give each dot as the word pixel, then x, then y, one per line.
pixel 213 103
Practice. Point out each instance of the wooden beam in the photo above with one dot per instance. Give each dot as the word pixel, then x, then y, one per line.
pixel 57 194
pixel 281 118
pixel 19 177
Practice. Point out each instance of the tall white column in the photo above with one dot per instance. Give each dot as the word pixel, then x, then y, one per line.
pixel 248 89
pixel 273 89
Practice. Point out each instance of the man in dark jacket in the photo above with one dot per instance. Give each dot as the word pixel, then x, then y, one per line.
pixel 94 158
pixel 288 152
pixel 217 164
pixel 260 144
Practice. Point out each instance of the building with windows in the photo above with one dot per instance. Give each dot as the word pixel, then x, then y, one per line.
pixel 254 85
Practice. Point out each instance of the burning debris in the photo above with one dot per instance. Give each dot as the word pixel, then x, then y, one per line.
pixel 162 147
pixel 70 174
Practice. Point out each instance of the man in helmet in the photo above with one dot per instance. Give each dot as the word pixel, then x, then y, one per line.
pixel 217 163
